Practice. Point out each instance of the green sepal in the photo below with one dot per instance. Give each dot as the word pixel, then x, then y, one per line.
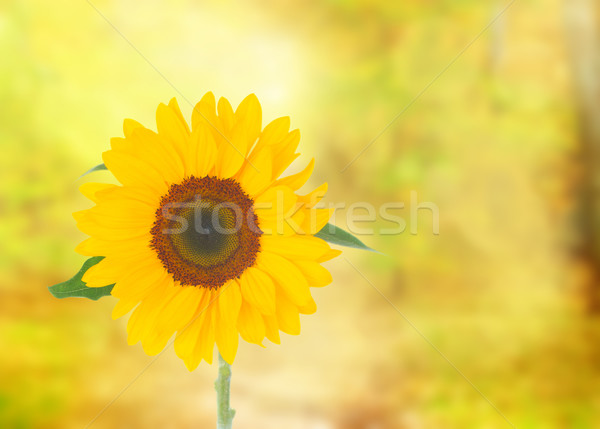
pixel 76 288
pixel 334 235
pixel 98 167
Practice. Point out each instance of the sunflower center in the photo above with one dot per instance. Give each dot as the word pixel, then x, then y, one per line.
pixel 206 232
pixel 209 238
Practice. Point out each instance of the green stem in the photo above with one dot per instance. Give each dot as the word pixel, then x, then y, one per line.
pixel 224 412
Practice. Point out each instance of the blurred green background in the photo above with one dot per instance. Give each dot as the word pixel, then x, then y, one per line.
pixel 504 143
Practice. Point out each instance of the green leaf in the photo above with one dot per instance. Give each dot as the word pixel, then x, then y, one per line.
pixel 334 235
pixel 91 170
pixel 77 288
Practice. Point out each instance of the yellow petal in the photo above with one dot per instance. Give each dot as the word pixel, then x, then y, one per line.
pixel 203 152
pixel 90 189
pixel 122 144
pixel 227 338
pixel 130 171
pixel 155 343
pixel 110 269
pixel 141 194
pixel 95 246
pixel 313 198
pixel 206 342
pixel 122 214
pixel 249 115
pixel 204 112
pixel 174 310
pixel 275 132
pixel 129 125
pixel 142 321
pixel 122 307
pixel 197 340
pixel 230 301
pixel 332 253
pixel 175 108
pixel 285 152
pixel 231 152
pixel 295 247
pixel 139 281
pixel 154 150
pixel 287 276
pixel 315 220
pixel 171 128
pixel 288 224
pixel 122 264
pixel 187 336
pixel 258 290
pixel 272 328
pixel 256 174
pixel 287 315
pixel 250 324
pixel 157 332
pixel 309 308
pixel 226 117
pixel 88 225
pixel 180 310
pixel 314 273
pixel 296 181
pixel 157 151
pixel 92 219
pixel 276 203
pixel 135 324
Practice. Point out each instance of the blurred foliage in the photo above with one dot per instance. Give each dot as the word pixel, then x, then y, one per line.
pixel 491 142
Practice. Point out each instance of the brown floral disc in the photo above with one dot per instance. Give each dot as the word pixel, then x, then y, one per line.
pixel 206 232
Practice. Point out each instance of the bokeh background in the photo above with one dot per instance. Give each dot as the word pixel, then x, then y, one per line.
pixel 505 143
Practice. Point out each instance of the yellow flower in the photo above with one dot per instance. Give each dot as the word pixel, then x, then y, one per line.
pixel 204 239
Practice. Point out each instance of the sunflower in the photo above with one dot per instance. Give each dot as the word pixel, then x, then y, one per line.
pixel 203 239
